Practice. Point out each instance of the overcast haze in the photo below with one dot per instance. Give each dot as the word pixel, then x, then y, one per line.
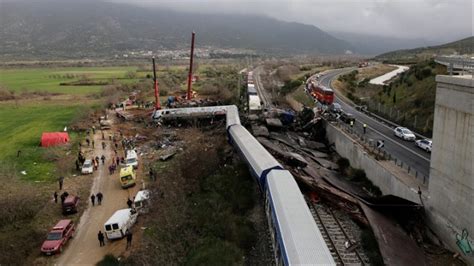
pixel 433 20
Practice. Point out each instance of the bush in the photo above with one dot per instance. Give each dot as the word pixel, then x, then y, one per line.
pixel 213 251
pixel 343 164
pixel 108 260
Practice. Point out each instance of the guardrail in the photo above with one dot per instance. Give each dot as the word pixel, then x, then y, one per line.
pixel 462 63
pixel 380 153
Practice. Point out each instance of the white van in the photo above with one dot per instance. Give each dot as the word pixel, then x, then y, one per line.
pixel 141 201
pixel 118 224
pixel 131 159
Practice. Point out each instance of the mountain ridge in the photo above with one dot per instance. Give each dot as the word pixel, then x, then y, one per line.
pixel 72 29
pixel 462 46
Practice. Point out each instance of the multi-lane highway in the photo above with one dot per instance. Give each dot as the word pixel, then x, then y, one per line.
pixel 405 151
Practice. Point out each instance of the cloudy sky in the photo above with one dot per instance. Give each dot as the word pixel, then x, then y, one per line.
pixel 435 20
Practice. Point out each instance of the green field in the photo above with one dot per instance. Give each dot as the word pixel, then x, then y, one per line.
pixel 49 79
pixel 21 129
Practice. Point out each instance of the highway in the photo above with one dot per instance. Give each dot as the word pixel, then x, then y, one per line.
pixel 402 150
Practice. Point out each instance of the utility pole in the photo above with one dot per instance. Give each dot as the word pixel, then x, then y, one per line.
pixel 157 90
pixel 190 75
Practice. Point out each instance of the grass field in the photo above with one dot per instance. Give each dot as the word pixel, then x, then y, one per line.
pixel 21 129
pixel 49 79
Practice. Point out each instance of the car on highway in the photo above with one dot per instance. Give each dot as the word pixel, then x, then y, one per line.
pixel 58 237
pixel 335 108
pixel 424 144
pixel 347 117
pixel 87 167
pixel 404 133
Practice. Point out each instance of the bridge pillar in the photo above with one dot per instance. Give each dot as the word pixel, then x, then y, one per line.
pixel 450 208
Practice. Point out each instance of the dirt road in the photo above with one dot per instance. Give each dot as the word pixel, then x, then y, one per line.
pixel 84 247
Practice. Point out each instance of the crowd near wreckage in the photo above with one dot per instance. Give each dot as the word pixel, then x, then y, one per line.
pixel 296 238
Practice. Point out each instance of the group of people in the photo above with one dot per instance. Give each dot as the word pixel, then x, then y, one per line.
pixel 99 196
pixel 128 235
pixel 63 196
pixel 116 162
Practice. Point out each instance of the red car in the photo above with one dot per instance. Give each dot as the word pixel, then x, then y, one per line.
pixel 58 237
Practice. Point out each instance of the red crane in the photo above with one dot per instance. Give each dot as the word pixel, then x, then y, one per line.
pixel 157 90
pixel 190 75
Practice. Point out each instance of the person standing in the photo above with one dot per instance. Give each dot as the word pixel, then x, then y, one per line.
pixel 99 198
pixel 88 142
pixel 101 238
pixel 129 239
pixel 365 128
pixel 61 180
pixel 78 167
pixel 103 159
pixel 93 144
pixel 55 195
pixel 129 203
pixel 93 199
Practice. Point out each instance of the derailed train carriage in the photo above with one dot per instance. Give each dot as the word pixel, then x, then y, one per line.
pixel 295 236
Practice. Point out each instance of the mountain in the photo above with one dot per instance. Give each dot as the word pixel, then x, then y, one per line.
pixel 72 29
pixel 367 44
pixel 464 46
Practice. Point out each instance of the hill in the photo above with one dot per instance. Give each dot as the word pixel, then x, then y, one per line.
pixel 371 45
pixel 73 29
pixel 464 46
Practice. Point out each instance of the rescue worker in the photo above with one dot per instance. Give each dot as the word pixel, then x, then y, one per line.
pixel 93 199
pixel 101 238
pixel 129 239
pixel 103 159
pixel 365 128
pixel 55 195
pixel 103 145
pixel 129 203
pixel 99 198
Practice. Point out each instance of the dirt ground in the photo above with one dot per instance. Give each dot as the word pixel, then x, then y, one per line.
pixel 84 247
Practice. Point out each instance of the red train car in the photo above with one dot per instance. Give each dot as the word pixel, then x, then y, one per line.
pixel 323 94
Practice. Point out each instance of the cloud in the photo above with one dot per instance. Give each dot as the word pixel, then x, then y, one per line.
pixel 435 20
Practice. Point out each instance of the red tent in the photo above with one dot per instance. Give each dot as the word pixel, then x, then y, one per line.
pixel 54 138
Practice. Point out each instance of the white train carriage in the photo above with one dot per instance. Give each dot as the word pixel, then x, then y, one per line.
pixel 258 158
pixel 254 103
pixel 296 237
pixel 251 90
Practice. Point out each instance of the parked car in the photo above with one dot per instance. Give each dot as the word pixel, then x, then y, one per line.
pixel 58 237
pixel 105 124
pixel 347 117
pixel 70 204
pixel 141 201
pixel 131 159
pixel 87 167
pixel 404 133
pixel 335 108
pixel 424 144
pixel 119 223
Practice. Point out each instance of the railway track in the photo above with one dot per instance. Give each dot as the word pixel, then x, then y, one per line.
pixel 261 91
pixel 339 240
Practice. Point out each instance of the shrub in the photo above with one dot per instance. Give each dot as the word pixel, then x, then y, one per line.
pixel 108 260
pixel 343 164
